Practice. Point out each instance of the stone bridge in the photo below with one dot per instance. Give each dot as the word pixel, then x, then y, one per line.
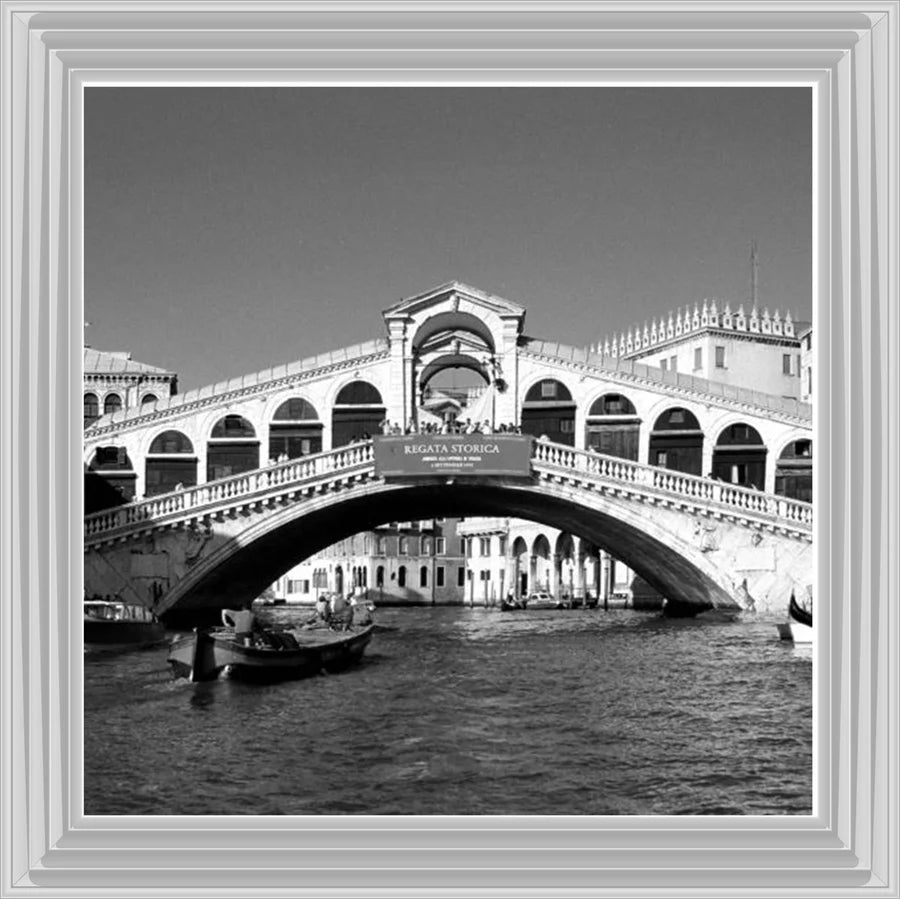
pixel 699 541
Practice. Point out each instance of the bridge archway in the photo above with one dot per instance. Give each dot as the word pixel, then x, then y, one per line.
pixel 793 471
pixel 112 477
pixel 548 410
pixel 670 560
pixel 739 456
pixel 613 426
pixel 170 462
pixel 676 441
pixel 357 413
pixel 232 448
pixel 295 429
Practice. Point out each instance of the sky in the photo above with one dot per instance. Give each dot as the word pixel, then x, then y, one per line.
pixel 231 229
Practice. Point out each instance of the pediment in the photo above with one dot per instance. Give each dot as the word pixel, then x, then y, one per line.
pixel 449 297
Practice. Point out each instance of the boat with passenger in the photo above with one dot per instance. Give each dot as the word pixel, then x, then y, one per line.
pixel 112 625
pixel 800 627
pixel 246 649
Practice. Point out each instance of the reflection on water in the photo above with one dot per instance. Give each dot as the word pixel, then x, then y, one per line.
pixel 470 711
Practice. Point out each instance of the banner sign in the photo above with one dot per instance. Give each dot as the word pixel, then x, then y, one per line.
pixel 418 455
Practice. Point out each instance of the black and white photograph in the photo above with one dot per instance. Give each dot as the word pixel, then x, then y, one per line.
pixel 448 451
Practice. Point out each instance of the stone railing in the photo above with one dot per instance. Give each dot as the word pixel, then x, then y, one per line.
pixel 260 484
pixel 750 506
pixel 742 502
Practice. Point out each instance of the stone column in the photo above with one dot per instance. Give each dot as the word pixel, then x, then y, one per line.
pixel 580 576
pixel 604 575
pixel 556 559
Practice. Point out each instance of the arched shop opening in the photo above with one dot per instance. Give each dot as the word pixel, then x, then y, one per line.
pixel 112 465
pixel 739 457
pixel 233 448
pixel 357 414
pixel 548 410
pixel 793 471
pixel 613 427
pixel 676 442
pixel 295 430
pixel 171 463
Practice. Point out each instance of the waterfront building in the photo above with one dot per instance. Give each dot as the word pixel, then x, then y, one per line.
pixel 398 563
pixel 111 382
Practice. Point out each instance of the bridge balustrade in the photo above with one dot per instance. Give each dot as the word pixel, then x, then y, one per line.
pixel 674 482
pixel 361 456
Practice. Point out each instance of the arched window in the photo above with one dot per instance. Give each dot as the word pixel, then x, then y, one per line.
pixel 403 546
pixel 401 576
pixel 548 410
pixel 91 408
pixel 148 398
pixel 613 427
pixel 171 463
pixel 379 576
pixel 232 448
pixel 357 414
pixel 426 546
pixel 423 576
pixel 295 430
pixel 112 403
pixel 739 457
pixel 676 442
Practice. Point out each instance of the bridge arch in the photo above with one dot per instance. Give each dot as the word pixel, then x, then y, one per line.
pixel 794 469
pixel 449 321
pixel 672 561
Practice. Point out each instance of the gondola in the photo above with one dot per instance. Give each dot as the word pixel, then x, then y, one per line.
pixel 799 629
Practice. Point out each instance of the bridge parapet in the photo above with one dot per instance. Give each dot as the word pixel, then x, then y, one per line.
pixel 217 496
pixel 591 470
pixel 741 502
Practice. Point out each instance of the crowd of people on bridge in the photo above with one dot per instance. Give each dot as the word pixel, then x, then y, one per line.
pixel 449 427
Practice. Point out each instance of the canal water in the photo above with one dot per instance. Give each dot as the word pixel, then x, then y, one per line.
pixel 471 712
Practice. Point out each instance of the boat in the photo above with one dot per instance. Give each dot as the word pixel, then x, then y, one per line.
pixel 510 604
pixel 244 649
pixel 800 627
pixel 115 626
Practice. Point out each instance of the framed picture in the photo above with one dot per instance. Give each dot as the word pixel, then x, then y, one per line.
pixel 845 54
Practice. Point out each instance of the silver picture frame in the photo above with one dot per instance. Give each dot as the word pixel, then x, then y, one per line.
pixel 845 51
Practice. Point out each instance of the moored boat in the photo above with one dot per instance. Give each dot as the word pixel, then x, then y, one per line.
pixel 114 626
pixel 246 650
pixel 800 627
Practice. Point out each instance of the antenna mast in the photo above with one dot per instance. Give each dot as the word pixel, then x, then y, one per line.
pixel 754 275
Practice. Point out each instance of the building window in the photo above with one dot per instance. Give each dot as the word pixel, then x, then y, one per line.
pixel 501 548
pixel 426 546
pixel 423 576
pixel 720 357
pixel 379 576
pixel 786 363
pixel 112 403
pixel 401 576
pixel 381 546
pixel 148 398
pixel 440 545
pixel 809 380
pixel 698 358
pixel 403 548
pixel 484 546
pixel 548 390
pixel 664 364
pixel 797 366
pixel 439 576
pixel 673 363
pixel 461 577
pixel 467 547
pixel 567 426
pixel 91 408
